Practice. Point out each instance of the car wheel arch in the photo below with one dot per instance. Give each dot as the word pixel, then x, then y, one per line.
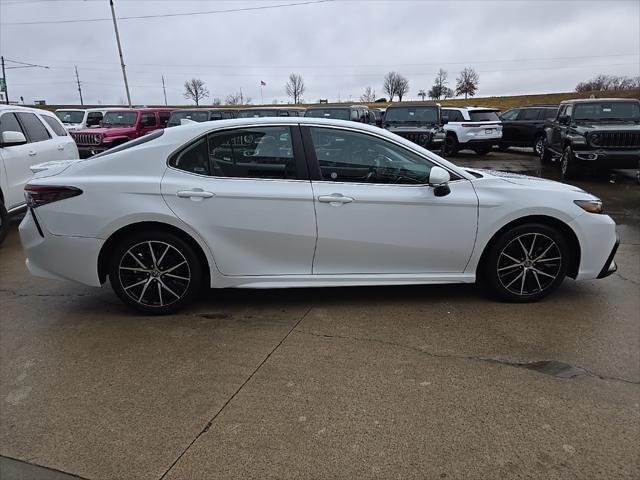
pixel 562 227
pixel 111 242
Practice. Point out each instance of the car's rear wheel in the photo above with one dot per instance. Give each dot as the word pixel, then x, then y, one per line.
pixel 155 272
pixel 451 145
pixel 568 165
pixel 4 222
pixel 538 145
pixel 526 263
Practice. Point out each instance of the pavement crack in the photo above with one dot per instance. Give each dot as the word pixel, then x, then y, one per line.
pixel 14 293
pixel 548 367
pixel 34 470
pixel 635 282
pixel 209 424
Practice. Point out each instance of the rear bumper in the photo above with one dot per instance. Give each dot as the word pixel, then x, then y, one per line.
pixel 609 158
pixel 60 257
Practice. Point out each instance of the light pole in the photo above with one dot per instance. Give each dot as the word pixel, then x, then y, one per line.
pixel 18 65
pixel 124 72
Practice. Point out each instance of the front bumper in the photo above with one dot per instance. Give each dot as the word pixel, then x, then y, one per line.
pixel 59 257
pixel 609 158
pixel 610 265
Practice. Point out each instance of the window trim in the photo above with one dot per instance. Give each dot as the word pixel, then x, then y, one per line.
pixel 302 172
pixel 315 174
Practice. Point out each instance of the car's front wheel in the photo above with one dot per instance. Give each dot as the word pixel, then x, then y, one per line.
pixel 545 154
pixel 568 164
pixel 451 145
pixel 4 222
pixel 526 263
pixel 155 272
pixel 538 145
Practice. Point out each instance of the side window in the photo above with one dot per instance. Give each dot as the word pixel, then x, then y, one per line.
pixel 547 113
pixel 147 120
pixel 346 156
pixel 569 110
pixel 510 115
pixel 194 158
pixel 454 115
pixel 528 114
pixel 93 119
pixel 562 111
pixel 36 131
pixel 283 113
pixel 9 123
pixel 55 125
pixel 164 118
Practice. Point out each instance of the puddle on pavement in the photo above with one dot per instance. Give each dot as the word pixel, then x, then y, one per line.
pixel 214 316
pixel 555 368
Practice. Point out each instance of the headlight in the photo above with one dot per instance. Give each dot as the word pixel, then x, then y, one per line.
pixel 594 138
pixel 97 138
pixel 591 206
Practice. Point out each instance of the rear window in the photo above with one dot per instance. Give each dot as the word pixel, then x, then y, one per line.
pixel 337 113
pixel 483 116
pixel 36 131
pixel 55 125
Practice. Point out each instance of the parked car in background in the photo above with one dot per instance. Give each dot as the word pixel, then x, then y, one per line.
pixel 421 124
pixel 201 115
pixel 77 119
pixel 258 112
pixel 275 202
pixel 27 136
pixel 524 126
pixel 118 127
pixel 355 113
pixel 600 134
pixel 378 113
pixel 473 128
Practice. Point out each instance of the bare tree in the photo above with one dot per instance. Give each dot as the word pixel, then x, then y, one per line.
pixel 439 87
pixel 395 84
pixel 369 95
pixel 195 90
pixel 216 101
pixel 237 98
pixel 295 87
pixel 604 83
pixel 422 94
pixel 467 82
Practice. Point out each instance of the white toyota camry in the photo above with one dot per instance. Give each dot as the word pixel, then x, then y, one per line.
pixel 283 202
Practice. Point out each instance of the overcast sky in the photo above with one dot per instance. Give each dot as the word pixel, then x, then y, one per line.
pixel 339 47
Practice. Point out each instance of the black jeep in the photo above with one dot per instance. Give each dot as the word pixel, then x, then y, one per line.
pixel 599 133
pixel 421 124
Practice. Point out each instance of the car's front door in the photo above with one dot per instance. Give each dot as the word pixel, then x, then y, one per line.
pixel 246 192
pixel 148 123
pixel 376 213
pixel 509 127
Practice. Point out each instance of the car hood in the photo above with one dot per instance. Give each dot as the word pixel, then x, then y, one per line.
pixel 527 180
pixel 606 127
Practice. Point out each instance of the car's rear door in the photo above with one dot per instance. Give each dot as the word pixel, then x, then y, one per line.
pixel 509 126
pixel 528 123
pixel 376 213
pixel 246 192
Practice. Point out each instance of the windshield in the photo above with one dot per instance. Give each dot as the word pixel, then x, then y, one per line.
pixel 119 118
pixel 412 114
pixel 337 113
pixel 70 116
pixel 484 116
pixel 194 115
pixel 272 112
pixel 607 111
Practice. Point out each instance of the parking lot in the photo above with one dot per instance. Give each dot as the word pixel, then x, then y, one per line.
pixel 389 382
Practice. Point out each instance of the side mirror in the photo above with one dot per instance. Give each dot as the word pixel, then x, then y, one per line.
pixel 10 139
pixel 564 119
pixel 439 179
pixel 445 119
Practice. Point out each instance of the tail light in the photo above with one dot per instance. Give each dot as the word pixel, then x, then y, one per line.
pixel 37 195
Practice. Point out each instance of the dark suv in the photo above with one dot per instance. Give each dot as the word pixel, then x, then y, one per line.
pixel 524 126
pixel 599 133
pixel 201 115
pixel 421 124
pixel 355 113
pixel 255 112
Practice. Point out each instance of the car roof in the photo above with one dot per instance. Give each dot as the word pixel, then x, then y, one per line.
pixel 271 108
pixel 414 104
pixel 20 108
pixel 471 108
pixel 142 110
pixel 329 105
pixel 591 100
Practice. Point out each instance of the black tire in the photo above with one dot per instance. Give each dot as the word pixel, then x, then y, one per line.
pixel 155 272
pixel 482 151
pixel 569 167
pixel 4 222
pixel 545 156
pixel 526 263
pixel 451 145
pixel 538 145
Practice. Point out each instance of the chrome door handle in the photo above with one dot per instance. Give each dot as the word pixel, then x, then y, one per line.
pixel 195 193
pixel 334 198
pixel 32 153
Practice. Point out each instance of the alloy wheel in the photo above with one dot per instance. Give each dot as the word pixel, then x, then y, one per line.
pixel 539 146
pixel 529 264
pixel 154 273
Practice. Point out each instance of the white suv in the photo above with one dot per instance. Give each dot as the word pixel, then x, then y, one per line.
pixel 474 128
pixel 27 136
pixel 77 119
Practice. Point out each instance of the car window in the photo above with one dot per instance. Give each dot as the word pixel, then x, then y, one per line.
pixel 547 113
pixel 9 123
pixel 529 114
pixel 346 156
pixel 483 116
pixel 147 120
pixel 55 125
pixel 510 115
pixel 454 115
pixel 94 118
pixel 258 152
pixel 164 118
pixel 36 131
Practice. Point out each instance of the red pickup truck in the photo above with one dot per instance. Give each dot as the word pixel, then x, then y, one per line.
pixel 119 126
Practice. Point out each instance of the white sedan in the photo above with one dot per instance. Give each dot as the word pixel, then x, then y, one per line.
pixel 283 202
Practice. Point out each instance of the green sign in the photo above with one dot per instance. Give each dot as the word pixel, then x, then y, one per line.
pixel 3 85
